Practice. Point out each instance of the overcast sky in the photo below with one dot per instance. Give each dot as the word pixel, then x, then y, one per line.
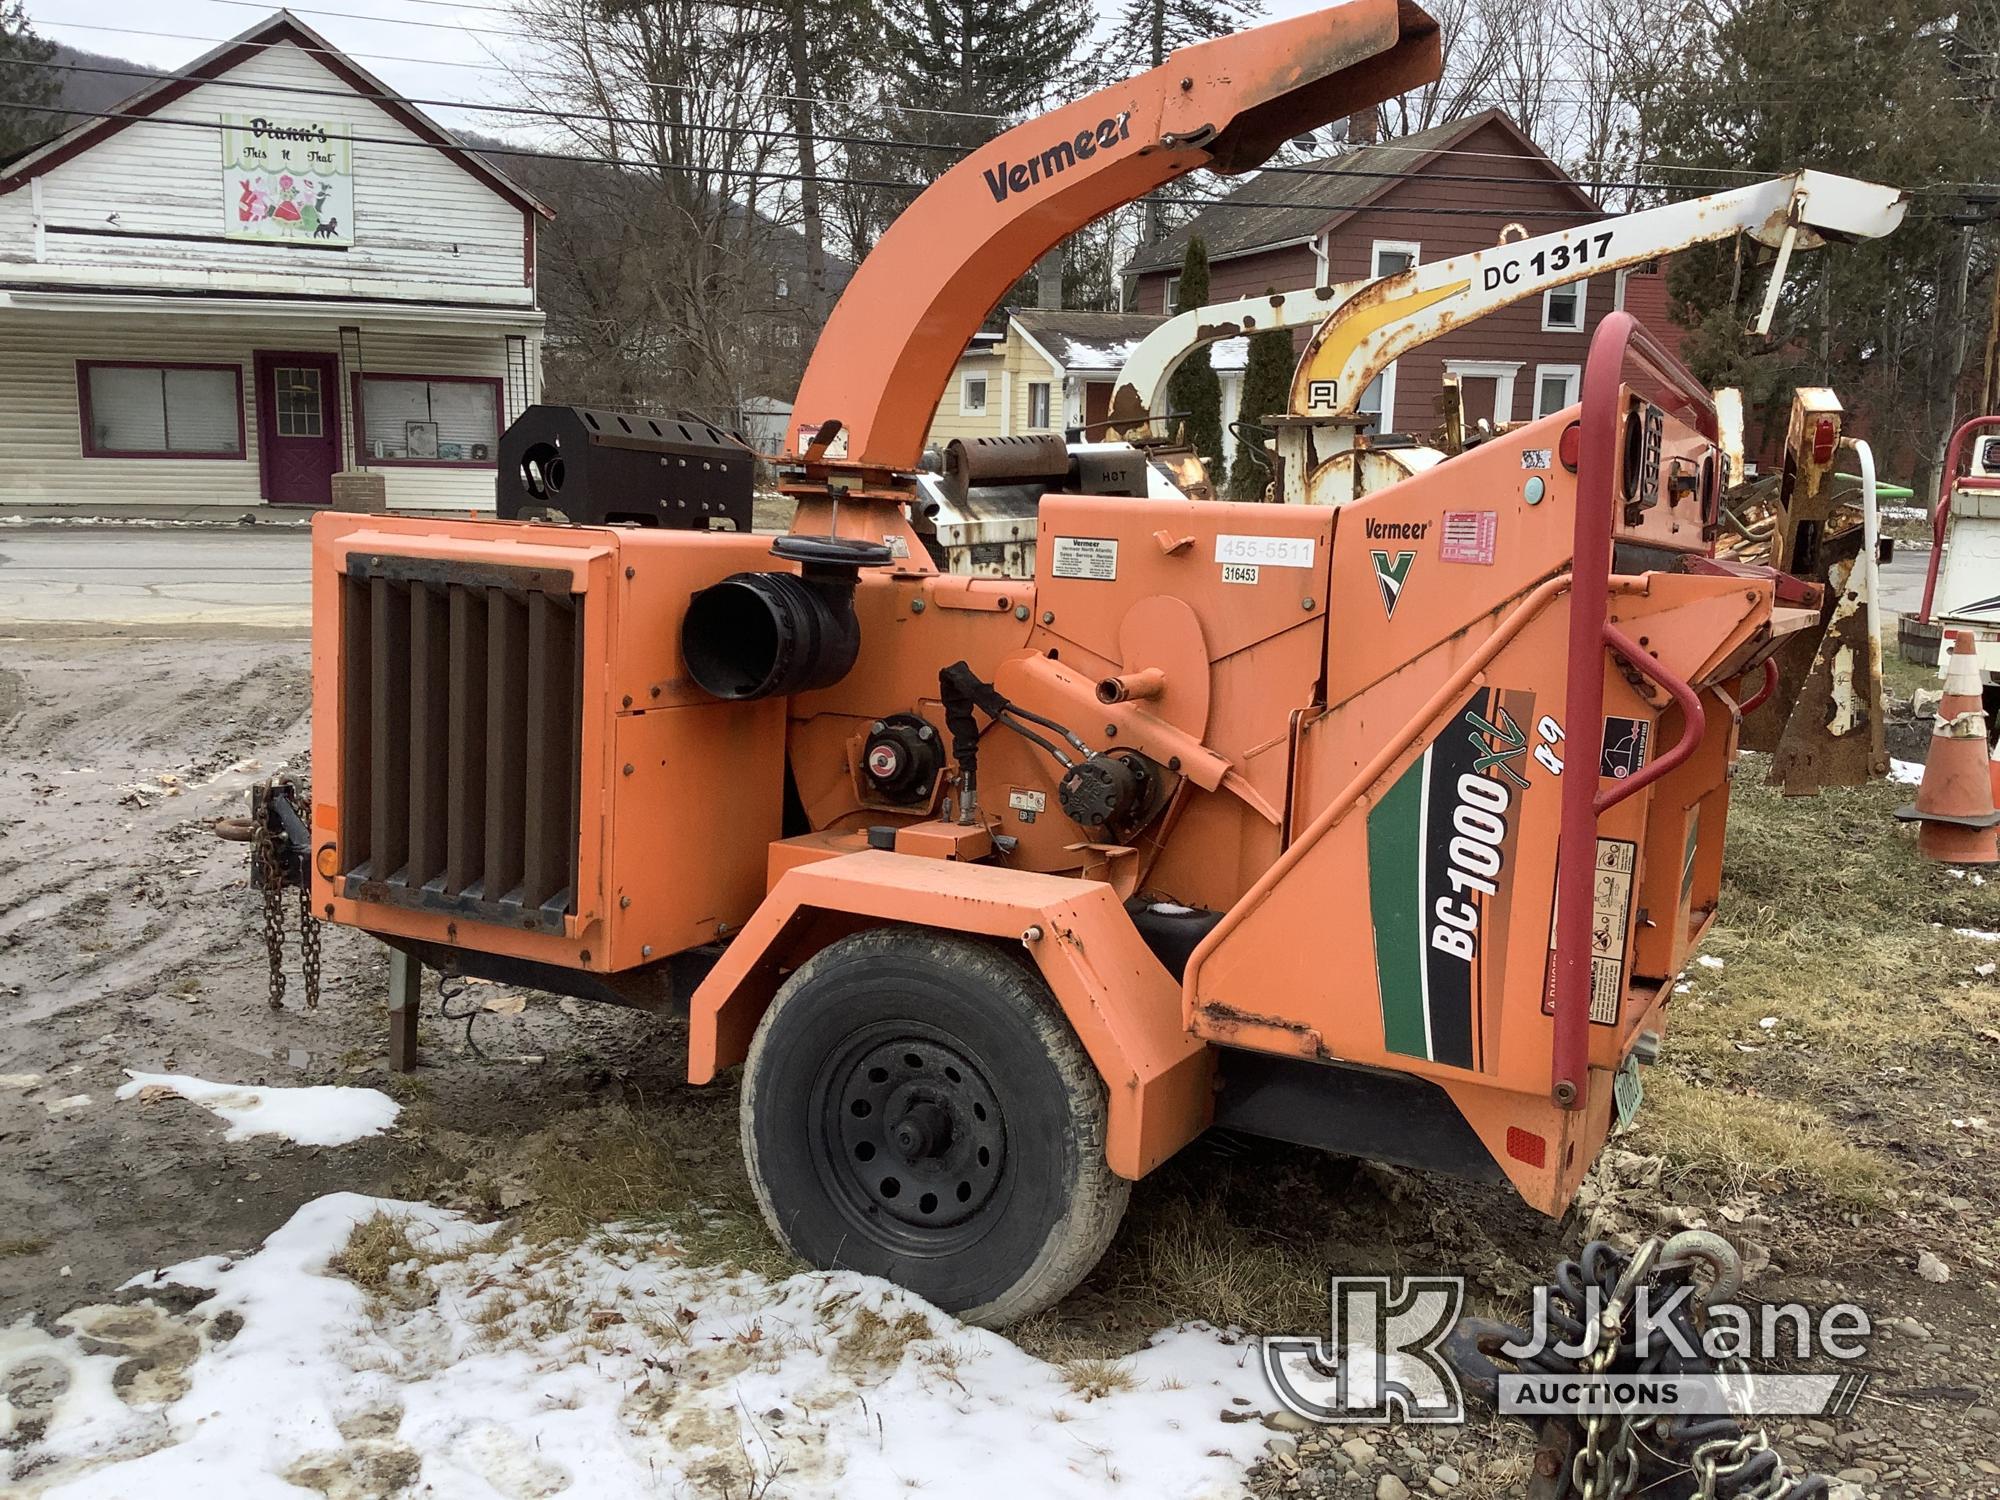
pixel 422 50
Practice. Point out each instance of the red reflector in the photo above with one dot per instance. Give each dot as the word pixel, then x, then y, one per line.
pixel 1570 446
pixel 1825 434
pixel 1526 1146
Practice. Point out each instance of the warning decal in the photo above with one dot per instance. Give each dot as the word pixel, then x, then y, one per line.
pixel 1610 912
pixel 1468 536
pixel 1610 906
pixel 1093 557
pixel 1625 742
pixel 1028 805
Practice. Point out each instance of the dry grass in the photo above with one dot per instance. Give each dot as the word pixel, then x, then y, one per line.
pixel 376 1247
pixel 878 1340
pixel 677 1167
pixel 1835 933
pixel 1758 1142
pixel 23 1245
pixel 1094 1379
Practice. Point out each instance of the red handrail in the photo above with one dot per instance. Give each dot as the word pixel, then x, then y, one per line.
pixel 1947 482
pixel 1758 699
pixel 1617 340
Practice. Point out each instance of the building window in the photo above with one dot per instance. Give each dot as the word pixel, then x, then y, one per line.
pixel 295 393
pixel 1555 387
pixel 1172 304
pixel 1038 403
pixel 1562 308
pixel 1379 401
pixel 1501 372
pixel 447 420
pixel 972 395
pixel 1390 256
pixel 160 411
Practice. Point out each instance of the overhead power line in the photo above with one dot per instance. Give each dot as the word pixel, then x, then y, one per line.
pixel 594 117
pixel 520 71
pixel 754 175
pixel 835 139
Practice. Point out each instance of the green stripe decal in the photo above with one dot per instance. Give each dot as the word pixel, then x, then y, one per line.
pixel 1395 893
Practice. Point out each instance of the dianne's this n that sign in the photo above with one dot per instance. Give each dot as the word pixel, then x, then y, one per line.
pixel 287 180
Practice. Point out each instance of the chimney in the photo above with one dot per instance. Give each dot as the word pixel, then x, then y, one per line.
pixel 1364 127
pixel 1048 280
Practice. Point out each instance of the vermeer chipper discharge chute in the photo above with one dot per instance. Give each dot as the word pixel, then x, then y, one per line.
pixel 1382 826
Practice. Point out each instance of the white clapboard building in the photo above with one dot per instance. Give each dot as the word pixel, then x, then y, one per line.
pixel 262 273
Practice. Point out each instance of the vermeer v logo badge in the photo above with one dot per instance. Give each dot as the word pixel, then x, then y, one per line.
pixel 1390 572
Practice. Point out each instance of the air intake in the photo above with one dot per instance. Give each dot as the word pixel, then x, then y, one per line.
pixel 460 730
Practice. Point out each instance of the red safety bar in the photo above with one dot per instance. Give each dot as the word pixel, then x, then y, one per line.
pixel 1618 342
pixel 1947 482
pixel 1759 698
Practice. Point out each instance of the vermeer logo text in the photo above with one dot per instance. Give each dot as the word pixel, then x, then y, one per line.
pixel 1018 177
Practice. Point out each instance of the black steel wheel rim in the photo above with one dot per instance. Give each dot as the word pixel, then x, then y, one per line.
pixel 912 1144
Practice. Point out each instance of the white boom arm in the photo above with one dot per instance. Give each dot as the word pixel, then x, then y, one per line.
pixel 1365 325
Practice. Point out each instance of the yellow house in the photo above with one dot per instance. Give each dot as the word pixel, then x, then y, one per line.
pixel 1053 371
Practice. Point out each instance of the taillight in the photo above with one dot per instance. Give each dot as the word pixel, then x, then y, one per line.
pixel 1569 447
pixel 1825 435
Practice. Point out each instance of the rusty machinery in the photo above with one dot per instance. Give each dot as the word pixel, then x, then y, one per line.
pixel 1824 718
pixel 1382 827
pixel 1962 582
pixel 1325 454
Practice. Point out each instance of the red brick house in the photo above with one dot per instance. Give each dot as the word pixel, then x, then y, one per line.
pixel 1515 364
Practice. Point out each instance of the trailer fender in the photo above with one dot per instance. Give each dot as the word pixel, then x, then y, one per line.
pixel 1123 1004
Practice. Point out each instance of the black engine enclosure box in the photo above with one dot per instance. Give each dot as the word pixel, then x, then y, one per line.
pixel 594 468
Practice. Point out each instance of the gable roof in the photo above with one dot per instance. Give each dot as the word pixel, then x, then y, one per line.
pixel 1085 340
pixel 279 26
pixel 1090 343
pixel 1309 204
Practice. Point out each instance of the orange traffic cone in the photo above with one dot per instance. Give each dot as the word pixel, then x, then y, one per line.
pixel 1955 804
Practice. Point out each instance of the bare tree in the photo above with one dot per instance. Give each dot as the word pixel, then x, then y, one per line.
pixel 694 103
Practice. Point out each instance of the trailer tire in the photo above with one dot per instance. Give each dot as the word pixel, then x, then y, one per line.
pixel 916 1107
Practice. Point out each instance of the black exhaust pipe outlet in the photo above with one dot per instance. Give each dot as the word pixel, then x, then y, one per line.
pixel 769 635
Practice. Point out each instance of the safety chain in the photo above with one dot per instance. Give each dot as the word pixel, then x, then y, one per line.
pixel 266 860
pixel 1600 1472
pixel 309 946
pixel 1716 1456
pixel 263 858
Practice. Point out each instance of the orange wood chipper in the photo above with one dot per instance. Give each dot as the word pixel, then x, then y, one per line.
pixel 1382 827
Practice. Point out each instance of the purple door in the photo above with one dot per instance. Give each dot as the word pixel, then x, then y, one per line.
pixel 298 427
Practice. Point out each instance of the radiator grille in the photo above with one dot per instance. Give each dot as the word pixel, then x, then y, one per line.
pixel 461 738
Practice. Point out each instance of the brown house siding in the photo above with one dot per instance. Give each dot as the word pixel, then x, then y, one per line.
pixel 1509 334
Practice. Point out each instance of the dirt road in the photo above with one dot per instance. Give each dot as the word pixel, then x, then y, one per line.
pixel 128 941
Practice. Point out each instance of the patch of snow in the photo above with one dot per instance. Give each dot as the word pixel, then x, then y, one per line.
pixel 1979 933
pixel 617 1370
pixel 317 1116
pixel 1903 513
pixel 1907 772
pixel 1087 356
pixel 1708 961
